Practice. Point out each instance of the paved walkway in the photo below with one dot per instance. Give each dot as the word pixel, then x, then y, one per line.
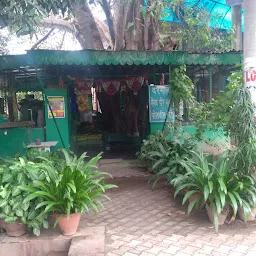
pixel 143 222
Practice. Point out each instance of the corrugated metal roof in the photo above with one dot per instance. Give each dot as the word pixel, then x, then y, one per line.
pixel 37 58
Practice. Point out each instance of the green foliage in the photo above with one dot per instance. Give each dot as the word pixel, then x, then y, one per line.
pixel 216 183
pixel 78 187
pixel 164 155
pixel 13 206
pixel 181 90
pixel 42 155
pixel 4 44
pixel 234 111
pixel 151 144
pixel 168 159
pixel 217 113
pixel 245 157
pixel 197 32
pixel 24 15
pixel 21 95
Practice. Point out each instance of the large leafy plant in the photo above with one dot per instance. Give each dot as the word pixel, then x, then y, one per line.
pixel 150 145
pixel 13 207
pixel 79 187
pixel 40 155
pixel 168 160
pixel 216 184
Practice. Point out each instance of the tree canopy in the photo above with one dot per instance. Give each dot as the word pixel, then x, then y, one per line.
pixel 128 24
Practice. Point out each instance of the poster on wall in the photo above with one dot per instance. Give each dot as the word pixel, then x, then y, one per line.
pixel 159 101
pixel 57 105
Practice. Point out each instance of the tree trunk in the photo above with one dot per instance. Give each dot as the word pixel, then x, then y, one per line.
pixel 106 9
pixel 87 32
pixel 151 30
pixel 134 34
pixel 120 14
pixel 237 26
pixel 249 29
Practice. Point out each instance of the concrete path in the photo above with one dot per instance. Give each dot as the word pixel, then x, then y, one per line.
pixel 143 222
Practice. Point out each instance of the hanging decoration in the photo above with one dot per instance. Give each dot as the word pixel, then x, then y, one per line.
pixel 110 86
pixel 135 83
pixel 83 90
pixel 83 86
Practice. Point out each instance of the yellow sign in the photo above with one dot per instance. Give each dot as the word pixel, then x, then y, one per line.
pixel 57 106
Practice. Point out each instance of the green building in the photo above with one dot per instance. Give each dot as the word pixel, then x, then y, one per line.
pixel 97 99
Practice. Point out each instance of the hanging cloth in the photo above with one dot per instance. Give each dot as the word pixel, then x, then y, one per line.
pixel 135 83
pixel 111 87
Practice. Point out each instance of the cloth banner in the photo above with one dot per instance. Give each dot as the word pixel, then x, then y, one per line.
pixel 111 87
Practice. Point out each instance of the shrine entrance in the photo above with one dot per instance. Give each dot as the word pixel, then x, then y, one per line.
pixel 110 115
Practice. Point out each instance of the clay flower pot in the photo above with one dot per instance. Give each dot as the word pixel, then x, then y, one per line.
pixel 69 226
pixel 221 219
pixel 196 196
pixel 15 229
pixel 250 217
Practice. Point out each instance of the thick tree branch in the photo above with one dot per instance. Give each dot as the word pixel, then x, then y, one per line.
pixel 104 31
pixel 59 24
pixel 106 8
pixel 62 41
pixel 42 39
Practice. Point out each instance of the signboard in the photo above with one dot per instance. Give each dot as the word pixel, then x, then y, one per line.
pixel 159 101
pixel 250 77
pixel 57 104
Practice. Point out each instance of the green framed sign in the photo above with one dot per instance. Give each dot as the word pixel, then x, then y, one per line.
pixel 159 102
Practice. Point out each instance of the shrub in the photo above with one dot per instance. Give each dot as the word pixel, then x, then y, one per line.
pixel 216 183
pixel 78 187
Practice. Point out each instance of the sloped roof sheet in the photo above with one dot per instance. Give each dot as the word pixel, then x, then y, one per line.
pixel 37 58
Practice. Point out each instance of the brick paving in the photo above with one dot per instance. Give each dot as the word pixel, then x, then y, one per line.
pixel 143 222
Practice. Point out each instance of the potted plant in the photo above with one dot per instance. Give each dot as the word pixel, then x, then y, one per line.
pixel 70 191
pixel 150 145
pixel 248 195
pixel 16 214
pixel 168 160
pixel 249 216
pixel 219 186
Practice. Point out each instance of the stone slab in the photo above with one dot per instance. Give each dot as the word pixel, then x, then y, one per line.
pixel 87 245
pixel 89 241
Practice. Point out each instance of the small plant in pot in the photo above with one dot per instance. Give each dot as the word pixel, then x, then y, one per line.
pixel 16 214
pixel 68 192
pixel 220 187
pixel 249 196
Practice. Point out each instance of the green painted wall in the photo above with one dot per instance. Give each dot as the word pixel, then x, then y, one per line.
pixel 16 139
pixel 210 135
pixel 63 123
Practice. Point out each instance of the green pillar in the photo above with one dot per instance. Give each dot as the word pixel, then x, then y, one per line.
pixel 210 78
pixel 58 129
pixel 170 73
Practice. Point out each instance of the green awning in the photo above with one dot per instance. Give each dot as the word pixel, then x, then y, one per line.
pixel 37 58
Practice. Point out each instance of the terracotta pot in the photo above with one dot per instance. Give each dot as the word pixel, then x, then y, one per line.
pixel 15 229
pixel 69 226
pixel 196 196
pixel 221 218
pixel 250 217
